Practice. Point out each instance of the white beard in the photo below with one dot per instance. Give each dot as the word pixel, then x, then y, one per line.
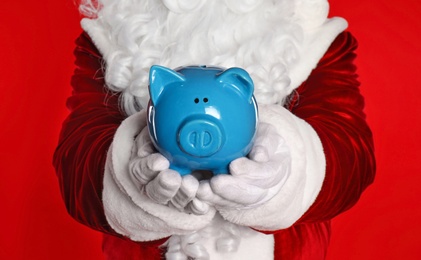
pixel 278 42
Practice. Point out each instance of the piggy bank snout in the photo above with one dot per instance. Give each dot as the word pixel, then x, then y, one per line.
pixel 200 137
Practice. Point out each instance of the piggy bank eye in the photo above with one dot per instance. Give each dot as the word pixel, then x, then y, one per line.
pixel 196 100
pixel 205 100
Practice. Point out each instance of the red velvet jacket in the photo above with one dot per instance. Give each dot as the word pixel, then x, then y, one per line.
pixel 329 101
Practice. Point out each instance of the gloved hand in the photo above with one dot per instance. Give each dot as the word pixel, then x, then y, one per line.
pixel 254 180
pixel 151 174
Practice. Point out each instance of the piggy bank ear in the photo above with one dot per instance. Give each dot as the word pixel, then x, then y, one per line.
pixel 159 78
pixel 239 79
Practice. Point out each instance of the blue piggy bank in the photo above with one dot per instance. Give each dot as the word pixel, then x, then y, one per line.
pixel 201 118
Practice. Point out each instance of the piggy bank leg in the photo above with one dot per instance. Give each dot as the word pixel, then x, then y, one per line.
pixel 202 174
pixel 183 171
pixel 219 171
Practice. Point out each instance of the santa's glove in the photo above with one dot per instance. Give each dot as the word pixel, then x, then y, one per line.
pixel 144 200
pixel 254 180
pixel 151 174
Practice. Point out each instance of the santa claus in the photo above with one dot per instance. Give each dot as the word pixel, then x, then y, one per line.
pixel 312 156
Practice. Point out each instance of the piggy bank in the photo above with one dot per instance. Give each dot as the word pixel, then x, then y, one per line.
pixel 201 118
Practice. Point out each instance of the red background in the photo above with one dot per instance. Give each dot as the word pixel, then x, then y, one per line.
pixel 36 63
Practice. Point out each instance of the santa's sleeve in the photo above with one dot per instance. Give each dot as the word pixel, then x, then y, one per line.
pixel 331 146
pixel 330 101
pixel 86 135
pixel 92 160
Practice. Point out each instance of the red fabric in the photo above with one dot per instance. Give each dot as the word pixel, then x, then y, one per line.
pixel 329 100
pixel 85 137
pixel 80 157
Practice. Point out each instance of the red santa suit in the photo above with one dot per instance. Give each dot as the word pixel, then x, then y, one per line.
pixel 321 119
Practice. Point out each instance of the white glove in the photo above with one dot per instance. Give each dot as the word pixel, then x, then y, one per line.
pixel 151 174
pixel 254 180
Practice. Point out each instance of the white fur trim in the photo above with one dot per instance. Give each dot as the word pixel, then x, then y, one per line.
pixel 222 240
pixel 130 212
pixel 277 42
pixel 315 45
pixel 304 183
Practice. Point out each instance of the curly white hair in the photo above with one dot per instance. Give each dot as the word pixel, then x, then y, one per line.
pixel 265 37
